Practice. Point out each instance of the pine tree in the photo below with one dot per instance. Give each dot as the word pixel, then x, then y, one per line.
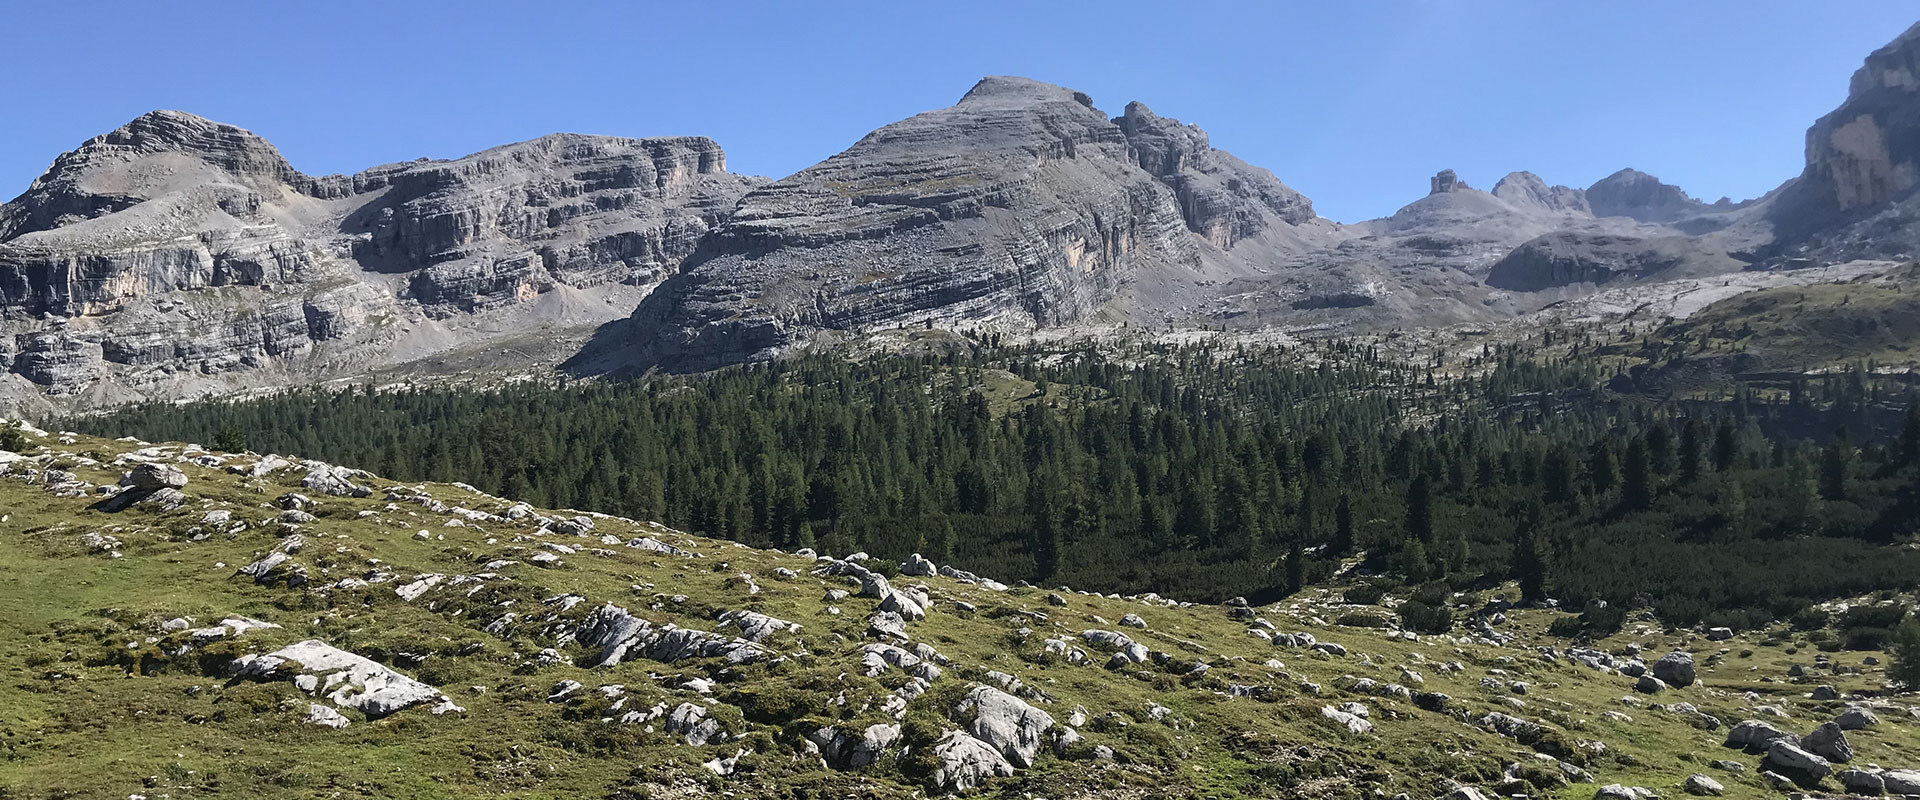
pixel 1296 568
pixel 941 544
pixel 12 438
pixel 1600 467
pixel 1556 475
pixel 1636 482
pixel 1833 470
pixel 1529 567
pixel 1692 450
pixel 1726 447
pixel 1343 526
pixel 1419 526
pixel 1659 443
pixel 1044 534
pixel 230 439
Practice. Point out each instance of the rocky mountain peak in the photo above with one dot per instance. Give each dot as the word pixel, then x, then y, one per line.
pixel 1632 193
pixel 238 151
pixel 1527 190
pixel 157 153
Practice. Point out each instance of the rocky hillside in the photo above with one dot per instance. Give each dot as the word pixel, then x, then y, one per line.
pixel 177 255
pixel 184 623
pixel 1021 204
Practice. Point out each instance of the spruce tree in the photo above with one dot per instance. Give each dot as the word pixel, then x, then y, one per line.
pixel 1343 526
pixel 1419 525
pixel 1529 567
pixel 1636 481
pixel 1726 447
pixel 1833 470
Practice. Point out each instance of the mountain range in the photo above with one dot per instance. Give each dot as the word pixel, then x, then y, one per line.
pixel 179 257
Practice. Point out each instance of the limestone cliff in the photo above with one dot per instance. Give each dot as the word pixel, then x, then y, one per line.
pixel 176 250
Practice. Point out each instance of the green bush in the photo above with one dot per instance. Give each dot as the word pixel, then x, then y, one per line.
pixel 1364 619
pixel 11 438
pixel 1809 619
pixel 1425 618
pixel 1365 594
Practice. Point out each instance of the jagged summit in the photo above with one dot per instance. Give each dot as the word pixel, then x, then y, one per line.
pixel 1446 181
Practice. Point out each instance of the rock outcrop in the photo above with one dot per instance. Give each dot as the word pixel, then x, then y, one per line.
pixel 345 679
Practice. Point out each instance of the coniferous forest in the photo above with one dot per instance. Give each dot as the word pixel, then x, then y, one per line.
pixel 1196 472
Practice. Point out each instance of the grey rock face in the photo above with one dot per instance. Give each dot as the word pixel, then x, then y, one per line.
pixel 1703 785
pixel 1901 781
pixel 845 749
pixel 1022 199
pixel 176 247
pixel 1855 719
pixel 1006 723
pixel 1756 736
pixel 515 221
pixel 1861 154
pixel 1828 742
pixel 1860 781
pixel 1446 181
pixel 1223 199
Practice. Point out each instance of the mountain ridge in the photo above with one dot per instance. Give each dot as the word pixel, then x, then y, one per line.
pixel 1020 208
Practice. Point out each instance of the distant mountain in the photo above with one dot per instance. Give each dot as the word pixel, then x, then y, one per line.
pixel 177 256
pixel 1021 204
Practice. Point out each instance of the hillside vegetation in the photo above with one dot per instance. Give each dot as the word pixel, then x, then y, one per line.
pixel 1194 471
pixel 467 645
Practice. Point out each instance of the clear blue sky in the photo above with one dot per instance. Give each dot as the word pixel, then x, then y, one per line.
pixel 1355 104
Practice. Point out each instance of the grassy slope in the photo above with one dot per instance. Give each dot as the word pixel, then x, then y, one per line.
pixel 1789 329
pixel 75 721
